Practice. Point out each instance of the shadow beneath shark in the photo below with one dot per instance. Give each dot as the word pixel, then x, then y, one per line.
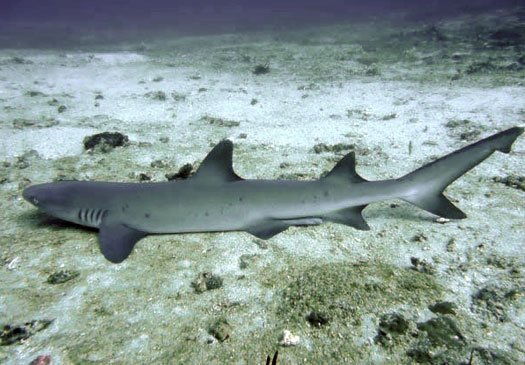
pixel 399 211
pixel 39 219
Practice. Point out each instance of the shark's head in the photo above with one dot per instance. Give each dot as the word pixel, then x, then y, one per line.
pixel 55 199
pixel 44 195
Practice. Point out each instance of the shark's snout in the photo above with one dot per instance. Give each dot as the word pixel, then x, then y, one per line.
pixel 31 194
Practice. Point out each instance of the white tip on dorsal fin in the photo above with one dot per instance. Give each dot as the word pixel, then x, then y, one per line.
pixel 217 166
pixel 345 170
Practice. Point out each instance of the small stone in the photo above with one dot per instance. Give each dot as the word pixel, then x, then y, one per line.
pixel 220 122
pixel 261 69
pixel 23 183
pixel 206 281
pixel 390 326
pixel 158 164
pixel 262 244
pixel 443 308
pixel 144 177
pixel 11 334
pixel 442 331
pixel 317 319
pixel 289 339
pixel 389 116
pixel 3 177
pixel 419 237
pixel 156 95
pixel 33 93
pixel 246 260
pixel 221 329
pixel 339 147
pixel 23 161
pixel 62 276
pixel 184 172
pixel 106 141
pixel 393 323
pixel 451 245
pixel 178 96
pixel 422 266
pixel 61 108
pixel 41 360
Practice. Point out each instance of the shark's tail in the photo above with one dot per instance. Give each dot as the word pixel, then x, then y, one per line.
pixel 425 185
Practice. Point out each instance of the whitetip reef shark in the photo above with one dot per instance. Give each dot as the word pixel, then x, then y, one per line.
pixel 217 199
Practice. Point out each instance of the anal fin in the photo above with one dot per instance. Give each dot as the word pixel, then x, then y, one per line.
pixel 117 240
pixel 349 216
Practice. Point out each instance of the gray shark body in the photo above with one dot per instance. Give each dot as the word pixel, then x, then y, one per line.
pixel 216 199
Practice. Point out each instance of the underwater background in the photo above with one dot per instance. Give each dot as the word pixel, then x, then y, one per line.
pixel 139 91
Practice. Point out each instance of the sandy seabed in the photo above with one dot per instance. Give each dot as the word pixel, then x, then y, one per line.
pixel 411 290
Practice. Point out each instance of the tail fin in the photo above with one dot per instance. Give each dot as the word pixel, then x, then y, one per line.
pixel 426 184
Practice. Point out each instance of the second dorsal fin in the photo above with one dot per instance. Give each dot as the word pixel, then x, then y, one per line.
pixel 344 170
pixel 217 165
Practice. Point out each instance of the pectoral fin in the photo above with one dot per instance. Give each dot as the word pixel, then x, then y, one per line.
pixel 116 240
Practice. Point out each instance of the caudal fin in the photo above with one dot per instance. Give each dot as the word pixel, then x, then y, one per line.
pixel 426 184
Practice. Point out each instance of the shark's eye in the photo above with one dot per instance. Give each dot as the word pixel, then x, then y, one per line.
pixel 34 200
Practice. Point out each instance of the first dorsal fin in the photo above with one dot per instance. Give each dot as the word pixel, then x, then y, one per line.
pixel 217 166
pixel 345 170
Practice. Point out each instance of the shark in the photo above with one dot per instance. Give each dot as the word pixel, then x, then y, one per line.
pixel 216 199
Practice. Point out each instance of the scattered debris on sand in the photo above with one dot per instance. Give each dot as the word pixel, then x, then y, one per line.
pixel 220 329
pixel 206 281
pixel 289 339
pixel 513 181
pixel 15 333
pixel 62 276
pixel 184 172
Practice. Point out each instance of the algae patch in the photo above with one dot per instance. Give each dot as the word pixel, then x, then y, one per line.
pixel 350 295
pixel 349 292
